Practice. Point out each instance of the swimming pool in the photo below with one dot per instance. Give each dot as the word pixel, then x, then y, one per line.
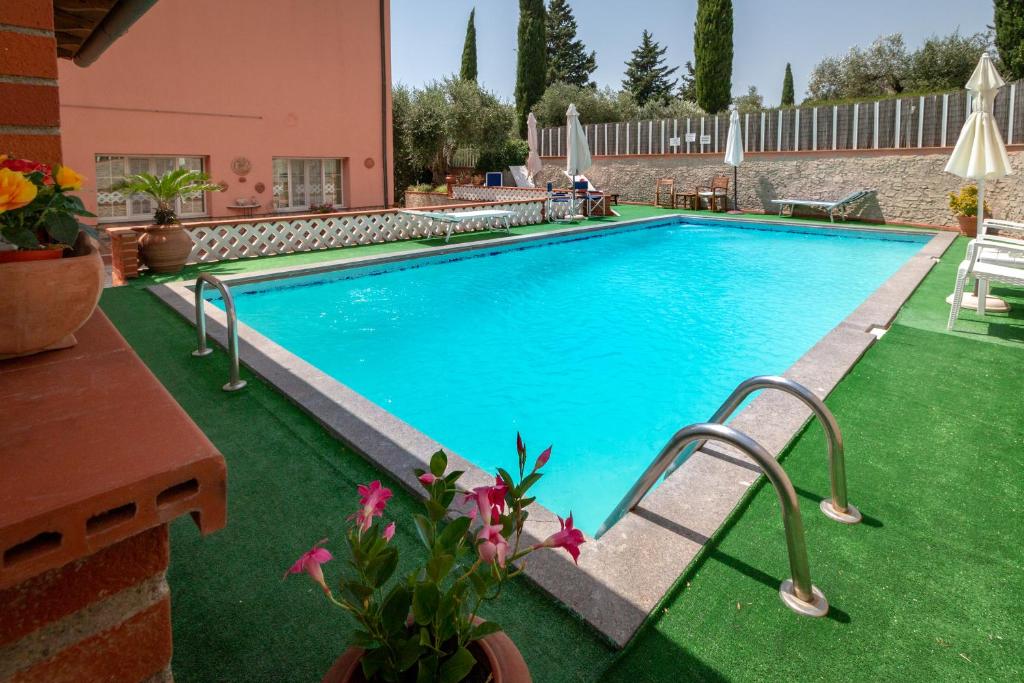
pixel 603 344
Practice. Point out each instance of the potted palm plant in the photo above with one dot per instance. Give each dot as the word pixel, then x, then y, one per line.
pixel 51 274
pixel 425 625
pixel 165 245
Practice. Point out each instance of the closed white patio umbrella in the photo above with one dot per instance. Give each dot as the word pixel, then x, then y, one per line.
pixel 980 153
pixel 577 153
pixel 734 155
pixel 533 163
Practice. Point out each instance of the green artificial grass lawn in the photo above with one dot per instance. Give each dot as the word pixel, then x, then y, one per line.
pixel 928 588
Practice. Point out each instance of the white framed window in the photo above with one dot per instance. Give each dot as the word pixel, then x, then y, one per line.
pixel 113 205
pixel 303 183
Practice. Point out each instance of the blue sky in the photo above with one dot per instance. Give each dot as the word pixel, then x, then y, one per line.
pixel 426 41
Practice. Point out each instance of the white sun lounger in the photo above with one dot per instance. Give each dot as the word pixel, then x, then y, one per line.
pixel 456 217
pixel 831 208
pixel 984 270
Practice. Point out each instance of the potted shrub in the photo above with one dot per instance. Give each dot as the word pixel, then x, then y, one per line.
pixel 424 625
pixel 51 275
pixel 965 207
pixel 166 245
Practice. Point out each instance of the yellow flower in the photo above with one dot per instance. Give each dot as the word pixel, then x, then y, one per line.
pixel 68 179
pixel 15 190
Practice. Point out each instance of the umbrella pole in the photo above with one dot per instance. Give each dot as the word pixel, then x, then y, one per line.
pixel 981 209
pixel 735 189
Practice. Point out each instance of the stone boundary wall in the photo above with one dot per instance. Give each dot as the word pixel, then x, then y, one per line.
pixel 911 187
pixel 419 200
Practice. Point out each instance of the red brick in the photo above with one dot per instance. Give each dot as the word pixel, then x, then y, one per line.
pixel 27 13
pixel 124 255
pixel 57 593
pixel 133 651
pixel 29 105
pixel 27 55
pixel 45 148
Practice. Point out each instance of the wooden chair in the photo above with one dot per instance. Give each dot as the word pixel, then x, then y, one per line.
pixel 716 194
pixel 665 191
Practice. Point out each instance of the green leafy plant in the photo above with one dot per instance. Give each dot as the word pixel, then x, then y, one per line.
pixel 36 209
pixel 965 202
pixel 421 626
pixel 166 189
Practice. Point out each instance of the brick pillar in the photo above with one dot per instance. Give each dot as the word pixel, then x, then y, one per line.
pixel 124 254
pixel 105 617
pixel 29 102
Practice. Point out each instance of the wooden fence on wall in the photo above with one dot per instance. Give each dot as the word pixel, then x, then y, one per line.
pixel 894 123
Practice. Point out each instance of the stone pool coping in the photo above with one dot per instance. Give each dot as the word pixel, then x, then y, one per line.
pixel 621 576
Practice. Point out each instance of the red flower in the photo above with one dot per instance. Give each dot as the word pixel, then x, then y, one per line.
pixel 26 166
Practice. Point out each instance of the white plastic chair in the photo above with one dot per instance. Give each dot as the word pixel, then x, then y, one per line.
pixel 987 259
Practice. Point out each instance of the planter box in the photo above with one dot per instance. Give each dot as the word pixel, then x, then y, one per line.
pixel 418 200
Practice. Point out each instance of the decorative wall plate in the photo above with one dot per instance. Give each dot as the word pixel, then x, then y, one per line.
pixel 259 187
pixel 241 166
pixel 368 162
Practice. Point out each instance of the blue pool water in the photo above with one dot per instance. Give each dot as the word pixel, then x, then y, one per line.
pixel 603 345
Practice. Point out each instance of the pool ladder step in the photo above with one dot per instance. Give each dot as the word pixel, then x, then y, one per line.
pixel 797 592
pixel 235 382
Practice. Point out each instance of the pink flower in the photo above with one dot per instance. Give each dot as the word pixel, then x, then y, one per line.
pixel 542 459
pixel 373 498
pixel 389 531
pixel 493 546
pixel 427 479
pixel 310 562
pixel 490 500
pixel 569 538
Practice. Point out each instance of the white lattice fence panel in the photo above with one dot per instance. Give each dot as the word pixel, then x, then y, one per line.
pixel 267 237
pixel 477 193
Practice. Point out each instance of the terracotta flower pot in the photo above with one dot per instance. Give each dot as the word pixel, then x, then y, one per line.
pixel 165 248
pixel 501 654
pixel 45 301
pixel 968 225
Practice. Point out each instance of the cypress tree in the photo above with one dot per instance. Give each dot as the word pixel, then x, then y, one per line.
pixel 468 71
pixel 787 87
pixel 712 51
pixel 647 77
pixel 568 60
pixel 531 59
pixel 1009 25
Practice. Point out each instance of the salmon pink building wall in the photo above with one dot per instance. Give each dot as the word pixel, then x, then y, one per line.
pixel 233 78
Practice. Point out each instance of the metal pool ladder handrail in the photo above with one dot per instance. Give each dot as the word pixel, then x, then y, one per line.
pixel 797 592
pixel 235 382
pixel 838 506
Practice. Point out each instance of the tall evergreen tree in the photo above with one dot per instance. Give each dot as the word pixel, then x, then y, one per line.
pixel 788 96
pixel 568 60
pixel 531 59
pixel 712 50
pixel 1009 25
pixel 688 83
pixel 468 71
pixel 647 77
